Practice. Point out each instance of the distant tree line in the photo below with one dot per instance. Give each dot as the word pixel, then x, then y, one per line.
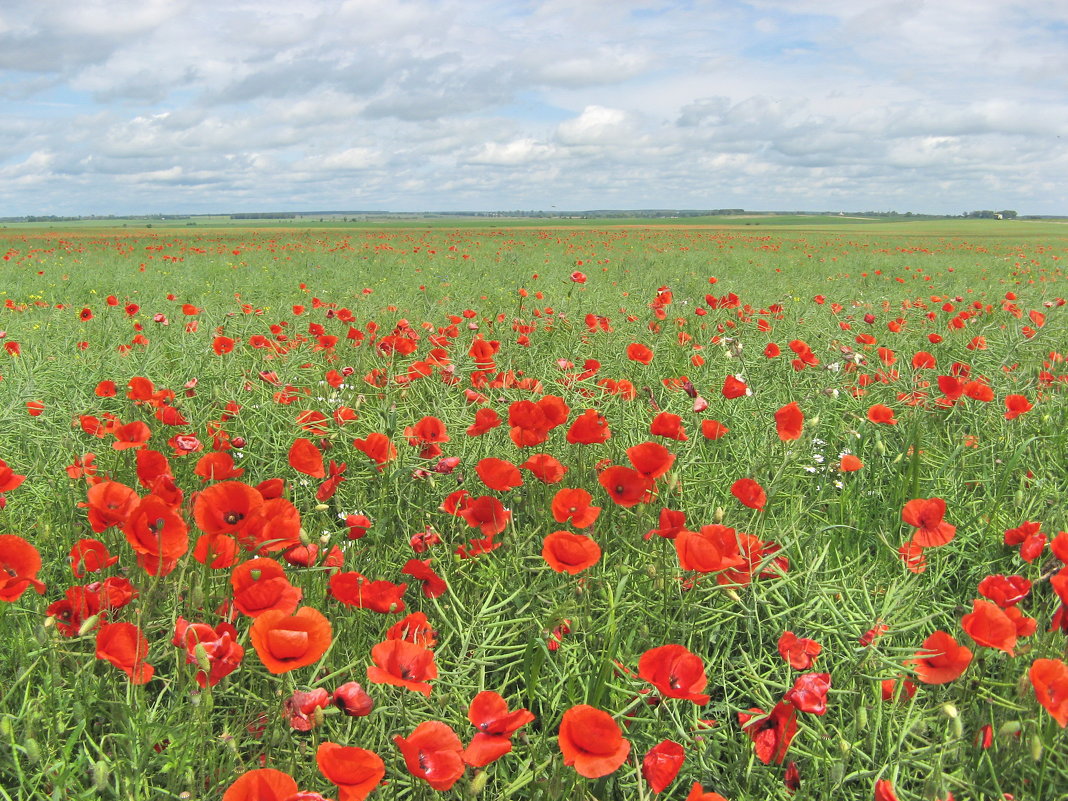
pixel 1005 214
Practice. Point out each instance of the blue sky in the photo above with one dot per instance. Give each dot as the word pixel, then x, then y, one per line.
pixel 141 106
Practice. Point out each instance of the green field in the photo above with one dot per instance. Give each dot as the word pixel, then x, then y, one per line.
pixel 254 338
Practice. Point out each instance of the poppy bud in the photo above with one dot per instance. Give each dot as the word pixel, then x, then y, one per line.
pixel 814 421
pixel 353 700
pixel 844 747
pixel 1019 498
pixel 862 719
pixel 1009 728
pixel 478 783
pixel 321 507
pixel 5 727
pixel 950 711
pixel 324 538
pixel 304 538
pixel 238 442
pixel 88 625
pixel 718 515
pixel 1036 746
pixel 32 750
pixel 100 775
pixel 957 727
pixel 200 653
pixel 880 447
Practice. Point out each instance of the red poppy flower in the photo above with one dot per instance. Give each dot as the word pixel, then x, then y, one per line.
pixel 734 388
pixel 625 486
pixel 800 652
pixel 489 714
pixel 675 672
pixel 487 514
pixel 1049 678
pixel 286 642
pixel 749 493
pixel 498 474
pixel 305 458
pixel 578 277
pixel 218 646
pixel 789 421
pixel 89 555
pixel 640 353
pixel 355 771
pixel 771 733
pixel 662 764
pixel 109 504
pixel 378 448
pixel 434 753
pixel 589 428
pixel 264 784
pixel 547 469
pixel 592 741
pixel 413 628
pixel 19 564
pixel 942 659
pixel 809 693
pixel 926 515
pixel 698 793
pixel 651 459
pixel 990 626
pixel 574 505
pixel 131 435
pixel 228 507
pixel 9 479
pixel 709 550
pixel 158 535
pixel 569 553
pixel 151 465
pixel 485 420
pixel 713 429
pixel 433 584
pixel 882 414
pixel 1005 591
pixel 354 590
pixel 669 426
pixel 126 647
pixel 34 408
pixel 1016 405
pixel 850 463
pixel 403 664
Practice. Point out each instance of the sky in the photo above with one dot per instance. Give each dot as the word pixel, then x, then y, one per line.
pixel 199 106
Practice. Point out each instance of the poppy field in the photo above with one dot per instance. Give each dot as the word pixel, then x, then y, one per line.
pixel 594 512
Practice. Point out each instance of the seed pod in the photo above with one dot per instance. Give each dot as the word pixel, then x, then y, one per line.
pixel 32 749
pixel 862 718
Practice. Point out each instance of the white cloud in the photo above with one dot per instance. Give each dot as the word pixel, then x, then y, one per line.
pixel 532 103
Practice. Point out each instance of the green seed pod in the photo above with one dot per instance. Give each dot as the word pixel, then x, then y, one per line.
pixel 101 774
pixel 5 727
pixel 1018 499
pixel 32 749
pixel 862 718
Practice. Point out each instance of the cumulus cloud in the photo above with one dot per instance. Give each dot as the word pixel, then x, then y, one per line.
pixel 484 104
